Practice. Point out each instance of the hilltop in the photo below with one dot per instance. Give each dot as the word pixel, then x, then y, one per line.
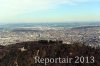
pixel 22 54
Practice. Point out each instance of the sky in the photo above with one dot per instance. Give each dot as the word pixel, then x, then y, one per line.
pixel 49 11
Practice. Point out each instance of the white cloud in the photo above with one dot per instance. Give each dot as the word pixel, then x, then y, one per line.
pixel 9 8
pixel 12 7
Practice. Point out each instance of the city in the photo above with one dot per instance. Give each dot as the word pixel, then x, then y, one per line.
pixel 89 35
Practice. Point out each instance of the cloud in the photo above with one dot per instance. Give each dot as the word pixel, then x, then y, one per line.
pixel 18 6
pixel 9 8
pixel 27 4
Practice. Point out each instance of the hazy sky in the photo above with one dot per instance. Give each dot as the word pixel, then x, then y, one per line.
pixel 49 10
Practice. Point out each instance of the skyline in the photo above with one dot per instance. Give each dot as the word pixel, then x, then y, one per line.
pixel 49 11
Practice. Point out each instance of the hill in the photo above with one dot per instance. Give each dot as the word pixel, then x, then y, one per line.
pixel 22 54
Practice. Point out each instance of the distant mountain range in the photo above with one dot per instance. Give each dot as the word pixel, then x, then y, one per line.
pixel 86 27
pixel 66 25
